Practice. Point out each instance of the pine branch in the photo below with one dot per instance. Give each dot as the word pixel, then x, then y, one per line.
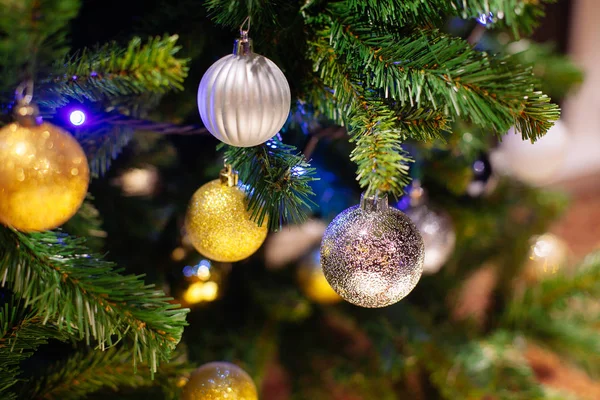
pixel 545 312
pixel 87 297
pixel 21 333
pixel 112 71
pixel 520 15
pixel 88 372
pixel 233 12
pixel 429 69
pixel 32 36
pixel 279 179
pixel 377 125
pixel 102 144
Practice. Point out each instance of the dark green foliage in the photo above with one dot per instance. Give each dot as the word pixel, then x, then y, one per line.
pixel 561 312
pixel 22 331
pixel 278 178
pixel 107 371
pixel 80 293
pixel 32 38
pixel 113 71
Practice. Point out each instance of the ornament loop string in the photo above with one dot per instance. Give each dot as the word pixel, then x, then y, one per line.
pixel 244 32
pixel 24 93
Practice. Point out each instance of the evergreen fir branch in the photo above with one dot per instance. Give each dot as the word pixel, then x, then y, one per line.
pixel 89 372
pixel 377 125
pixel 545 314
pixel 279 179
pixel 21 333
pixel 102 144
pixel 233 12
pixel 381 151
pixel 87 297
pixel 520 15
pixel 112 71
pixel 429 69
pixel 32 36
pixel 558 74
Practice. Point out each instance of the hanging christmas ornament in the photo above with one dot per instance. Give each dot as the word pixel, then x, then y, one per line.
pixel 244 98
pixel 436 228
pixel 484 180
pixel 534 163
pixel 44 173
pixel 220 381
pixel 547 255
pixel 372 255
pixel 203 284
pixel 312 280
pixel 218 223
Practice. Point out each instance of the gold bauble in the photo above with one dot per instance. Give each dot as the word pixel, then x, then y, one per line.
pixel 44 176
pixel 219 225
pixel 312 281
pixel 220 381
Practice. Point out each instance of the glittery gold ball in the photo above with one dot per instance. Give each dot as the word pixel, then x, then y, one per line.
pixel 219 226
pixel 372 255
pixel 312 281
pixel 220 381
pixel 44 176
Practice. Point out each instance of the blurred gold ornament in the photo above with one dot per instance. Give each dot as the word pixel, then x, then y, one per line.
pixel 312 281
pixel 44 176
pixel 218 223
pixel 204 284
pixel 220 381
pixel 547 255
pixel 199 292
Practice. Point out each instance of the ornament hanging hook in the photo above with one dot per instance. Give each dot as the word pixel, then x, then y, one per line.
pixel 24 93
pixel 244 32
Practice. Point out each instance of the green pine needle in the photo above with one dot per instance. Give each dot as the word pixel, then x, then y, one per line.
pixel 112 71
pixel 279 179
pixel 110 370
pixel 86 296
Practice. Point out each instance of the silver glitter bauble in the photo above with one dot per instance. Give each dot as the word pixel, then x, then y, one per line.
pixel 438 235
pixel 372 255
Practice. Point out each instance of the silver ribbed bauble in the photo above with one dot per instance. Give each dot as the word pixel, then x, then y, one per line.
pixel 244 98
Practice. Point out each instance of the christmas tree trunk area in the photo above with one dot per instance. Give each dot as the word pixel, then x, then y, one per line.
pixel 289 200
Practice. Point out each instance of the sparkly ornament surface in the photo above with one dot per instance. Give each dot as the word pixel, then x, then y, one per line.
pixel 372 255
pixel 44 176
pixel 219 226
pixel 244 98
pixel 438 235
pixel 312 281
pixel 220 381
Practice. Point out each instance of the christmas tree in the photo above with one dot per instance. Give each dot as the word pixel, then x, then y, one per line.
pixel 130 256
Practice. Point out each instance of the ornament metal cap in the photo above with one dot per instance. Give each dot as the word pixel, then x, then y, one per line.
pixel 377 202
pixel 228 176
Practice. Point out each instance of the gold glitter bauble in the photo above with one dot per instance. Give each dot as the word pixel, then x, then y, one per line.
pixel 44 176
pixel 219 226
pixel 372 255
pixel 312 281
pixel 220 381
